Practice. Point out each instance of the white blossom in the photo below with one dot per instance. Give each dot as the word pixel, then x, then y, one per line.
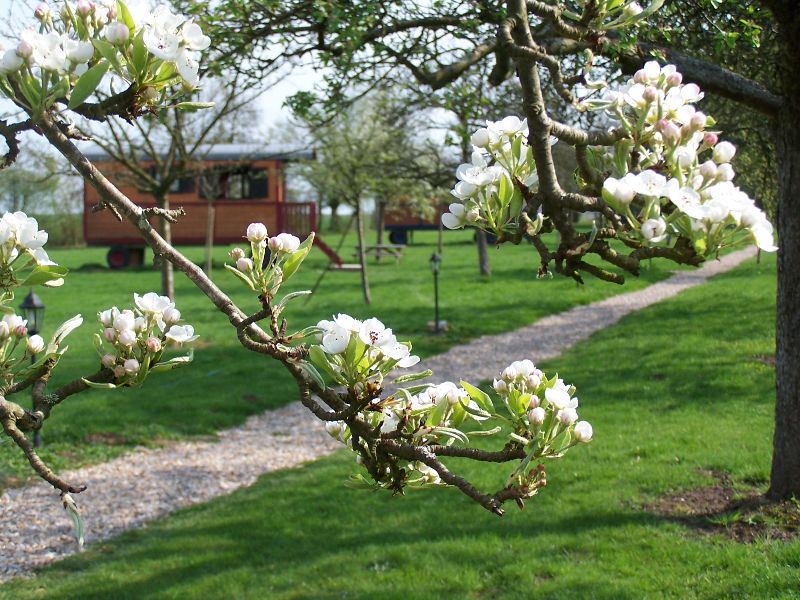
pixel 35 344
pixel 457 216
pixel 256 232
pixel 654 230
pixel 284 242
pixel 152 304
pixel 336 339
pixel 181 334
pixel 583 431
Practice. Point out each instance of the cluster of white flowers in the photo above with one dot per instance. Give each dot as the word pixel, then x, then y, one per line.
pixel 133 42
pixel 176 40
pixel 263 274
pixel 355 352
pixel 20 233
pixel 542 408
pixel 682 180
pixel 487 195
pixel 137 337
pixel 542 414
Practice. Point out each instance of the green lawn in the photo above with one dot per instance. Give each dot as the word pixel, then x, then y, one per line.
pixel 227 383
pixel 672 390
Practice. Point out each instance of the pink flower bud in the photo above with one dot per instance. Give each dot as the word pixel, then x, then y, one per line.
pixel 20 331
pixel 171 316
pixel 534 402
pixel 43 12
pixel 583 431
pixel 256 232
pixel 567 416
pixel 245 265
pixel 650 94
pixel 24 49
pixel 536 416
pixel 110 334
pixel 119 371
pixel 85 7
pixel 127 337
pixel 131 366
pixel 500 386
pixel 724 152
pixel 108 360
pixel 725 172
pixel 710 139
pixel 153 344
pixel 698 121
pixel 117 33
pixel 35 344
pixel 674 79
pixel 669 130
pixel 641 76
pixel 708 169
pixel 236 253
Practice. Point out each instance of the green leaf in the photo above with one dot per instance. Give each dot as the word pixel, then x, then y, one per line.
pixel 173 363
pixel 298 256
pixel 318 356
pixel 312 373
pixel 77 521
pixel 288 297
pixel 124 15
pixel 504 191
pixel 87 83
pixel 241 276
pixel 487 432
pixel 44 273
pixel 516 148
pixel 516 203
pixel 63 331
pixel 109 52
pixel 437 414
pixel 476 412
pixel 98 386
pixel 413 376
pixel 139 55
pixel 194 106
pixel 481 398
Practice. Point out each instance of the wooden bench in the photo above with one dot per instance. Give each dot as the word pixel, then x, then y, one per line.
pixel 378 250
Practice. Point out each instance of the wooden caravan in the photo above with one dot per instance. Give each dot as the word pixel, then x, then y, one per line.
pixel 242 183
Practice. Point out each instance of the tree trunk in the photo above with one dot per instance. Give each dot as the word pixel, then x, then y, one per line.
pixel 167 279
pixel 362 255
pixel 483 252
pixel 785 475
pixel 380 209
pixel 334 224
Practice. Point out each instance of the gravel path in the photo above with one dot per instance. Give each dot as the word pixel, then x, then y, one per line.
pixel 148 483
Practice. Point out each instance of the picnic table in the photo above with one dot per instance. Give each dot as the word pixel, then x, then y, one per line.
pixel 378 250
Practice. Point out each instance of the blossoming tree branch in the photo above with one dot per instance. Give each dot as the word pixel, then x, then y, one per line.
pixel 660 178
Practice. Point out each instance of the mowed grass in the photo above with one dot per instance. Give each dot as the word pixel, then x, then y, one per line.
pixel 672 391
pixel 226 383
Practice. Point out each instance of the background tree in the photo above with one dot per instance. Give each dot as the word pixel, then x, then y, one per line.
pixel 365 154
pixel 175 142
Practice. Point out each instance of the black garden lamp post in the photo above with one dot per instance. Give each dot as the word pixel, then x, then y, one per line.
pixel 436 265
pixel 32 309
